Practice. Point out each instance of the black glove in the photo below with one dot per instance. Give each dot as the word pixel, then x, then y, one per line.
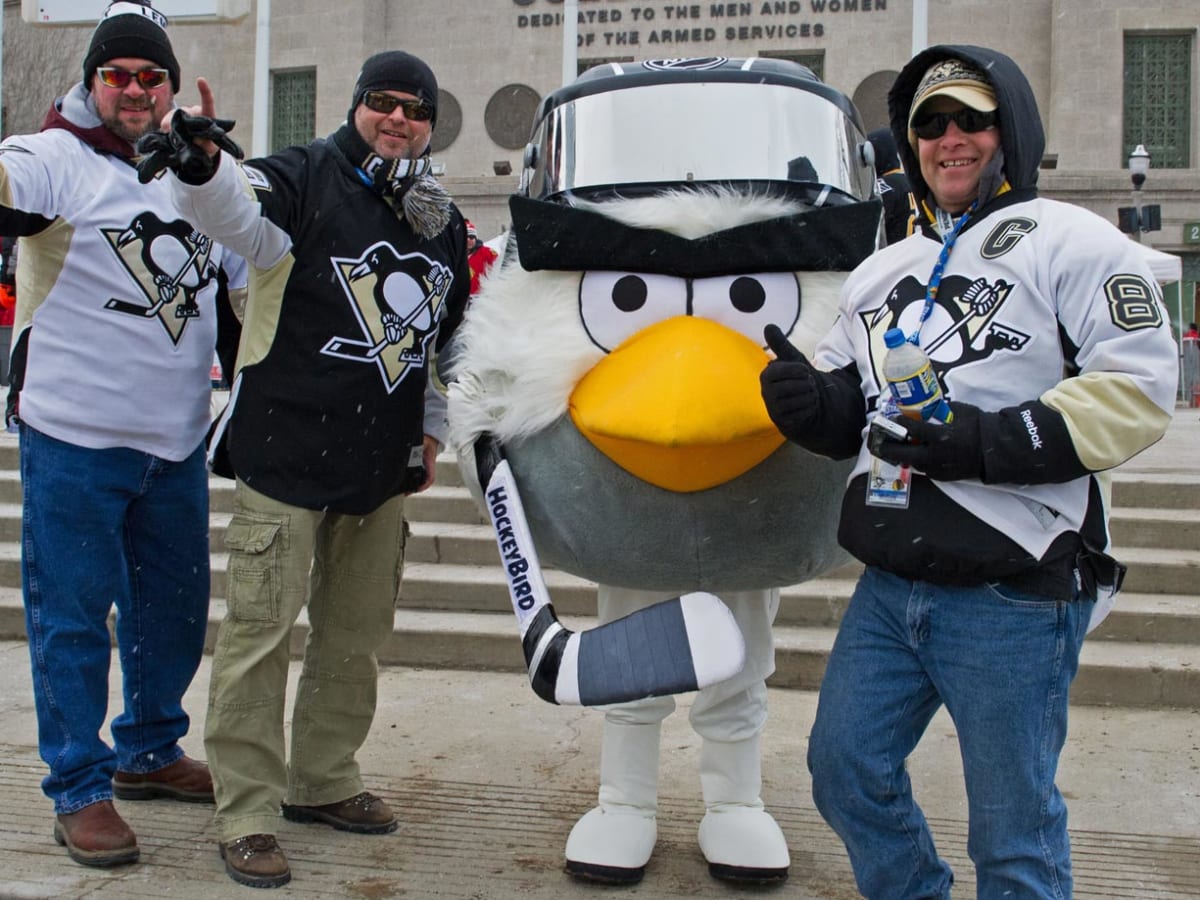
pixel 789 387
pixel 176 150
pixel 943 452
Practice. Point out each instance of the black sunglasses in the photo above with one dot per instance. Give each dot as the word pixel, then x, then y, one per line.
pixel 969 120
pixel 120 78
pixel 380 102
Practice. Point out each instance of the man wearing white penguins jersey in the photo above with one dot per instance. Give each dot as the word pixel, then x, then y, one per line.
pixel 116 322
pixel 1047 333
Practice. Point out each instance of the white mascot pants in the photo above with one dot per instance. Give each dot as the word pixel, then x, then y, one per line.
pixel 613 842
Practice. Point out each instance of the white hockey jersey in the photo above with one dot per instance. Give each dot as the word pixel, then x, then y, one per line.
pixel 115 299
pixel 1047 315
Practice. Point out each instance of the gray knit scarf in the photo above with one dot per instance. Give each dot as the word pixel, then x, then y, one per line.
pixel 406 184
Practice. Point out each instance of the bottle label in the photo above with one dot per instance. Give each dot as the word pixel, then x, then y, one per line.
pixel 919 396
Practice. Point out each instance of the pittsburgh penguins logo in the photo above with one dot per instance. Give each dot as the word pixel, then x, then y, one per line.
pixel 398 302
pixel 684 64
pixel 170 262
pixel 962 328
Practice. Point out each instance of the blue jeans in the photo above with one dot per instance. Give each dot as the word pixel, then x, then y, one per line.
pixel 1002 662
pixel 105 527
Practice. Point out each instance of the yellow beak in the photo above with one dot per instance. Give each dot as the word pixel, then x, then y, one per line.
pixel 678 405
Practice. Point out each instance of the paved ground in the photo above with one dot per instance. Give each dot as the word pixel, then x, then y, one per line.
pixel 488 780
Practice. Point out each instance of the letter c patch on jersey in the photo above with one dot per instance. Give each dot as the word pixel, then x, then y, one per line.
pixel 1132 303
pixel 1005 236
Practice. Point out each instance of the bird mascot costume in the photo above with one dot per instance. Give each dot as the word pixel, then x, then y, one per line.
pixel 668 212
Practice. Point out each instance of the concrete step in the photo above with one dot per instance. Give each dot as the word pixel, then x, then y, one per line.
pixel 479 586
pixel 447 527
pixel 458 541
pixel 1131 489
pixel 1138 617
pixel 1158 490
pixel 1151 570
pixel 1156 571
pixel 1168 528
pixel 1111 672
pixel 460 537
pixel 1149 509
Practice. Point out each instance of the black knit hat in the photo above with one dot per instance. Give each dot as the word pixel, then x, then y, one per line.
pixel 130 29
pixel 395 70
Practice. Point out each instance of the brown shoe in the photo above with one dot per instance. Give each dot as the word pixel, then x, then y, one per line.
pixel 256 860
pixel 363 814
pixel 185 779
pixel 96 836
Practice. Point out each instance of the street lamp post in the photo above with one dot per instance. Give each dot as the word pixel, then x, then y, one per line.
pixel 1139 165
pixel 1139 217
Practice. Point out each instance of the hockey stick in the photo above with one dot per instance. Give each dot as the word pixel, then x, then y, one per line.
pixel 356 350
pixel 672 647
pixel 986 310
pixel 136 309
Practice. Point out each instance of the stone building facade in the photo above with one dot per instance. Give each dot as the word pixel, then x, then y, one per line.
pixel 495 59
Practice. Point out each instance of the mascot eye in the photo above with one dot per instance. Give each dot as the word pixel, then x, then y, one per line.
pixel 616 305
pixel 629 293
pixel 748 303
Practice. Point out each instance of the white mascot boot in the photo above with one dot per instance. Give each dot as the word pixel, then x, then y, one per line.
pixel 740 839
pixel 612 843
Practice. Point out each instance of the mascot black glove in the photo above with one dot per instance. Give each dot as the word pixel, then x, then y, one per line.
pixel 789 388
pixel 176 150
pixel 943 452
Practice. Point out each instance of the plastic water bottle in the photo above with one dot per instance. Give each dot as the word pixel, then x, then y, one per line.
pixel 914 386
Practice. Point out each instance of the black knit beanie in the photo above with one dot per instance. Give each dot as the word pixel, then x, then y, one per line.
pixel 130 29
pixel 395 70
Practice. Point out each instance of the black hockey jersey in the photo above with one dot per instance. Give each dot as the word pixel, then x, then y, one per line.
pixel 347 308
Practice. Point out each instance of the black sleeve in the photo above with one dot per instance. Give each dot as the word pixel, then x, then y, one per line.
pixel 460 291
pixel 16 377
pixel 843 414
pixel 229 329
pixel 1028 444
pixel 15 223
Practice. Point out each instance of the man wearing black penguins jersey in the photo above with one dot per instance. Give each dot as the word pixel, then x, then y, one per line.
pixel 1047 333
pixel 359 276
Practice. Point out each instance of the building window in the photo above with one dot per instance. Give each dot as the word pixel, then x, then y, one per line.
pixel 293 108
pixel 814 59
pixel 1158 79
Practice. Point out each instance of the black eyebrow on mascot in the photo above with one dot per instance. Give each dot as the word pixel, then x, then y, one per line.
pixel 604 402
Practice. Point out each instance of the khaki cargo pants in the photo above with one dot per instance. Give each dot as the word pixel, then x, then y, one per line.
pixel 347 570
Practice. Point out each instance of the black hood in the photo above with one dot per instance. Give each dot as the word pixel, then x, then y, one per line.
pixel 1021 135
pixel 886 158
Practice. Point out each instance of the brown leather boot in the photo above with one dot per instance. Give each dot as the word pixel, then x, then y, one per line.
pixel 362 814
pixel 185 779
pixel 256 860
pixel 96 836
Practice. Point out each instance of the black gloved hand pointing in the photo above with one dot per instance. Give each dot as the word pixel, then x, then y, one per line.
pixel 175 149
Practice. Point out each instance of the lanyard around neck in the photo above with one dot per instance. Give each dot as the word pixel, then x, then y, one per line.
pixel 935 277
